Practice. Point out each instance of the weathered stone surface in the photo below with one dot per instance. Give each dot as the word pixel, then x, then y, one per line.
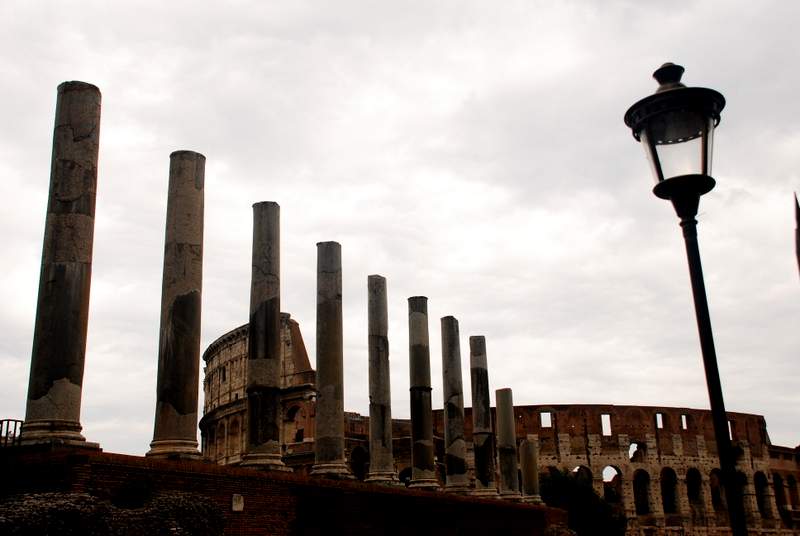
pixel 507 445
pixel 263 447
pixel 329 439
pixel 175 430
pixel 381 458
pixel 482 435
pixel 423 467
pixel 529 467
pixel 454 444
pixel 59 340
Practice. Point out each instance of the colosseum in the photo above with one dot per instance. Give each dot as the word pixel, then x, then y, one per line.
pixel 657 465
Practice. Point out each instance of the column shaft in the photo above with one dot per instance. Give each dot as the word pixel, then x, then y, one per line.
pixel 482 436
pixel 423 467
pixel 329 437
pixel 59 338
pixel 507 444
pixel 175 430
pixel 264 342
pixel 529 466
pixel 455 446
pixel 381 458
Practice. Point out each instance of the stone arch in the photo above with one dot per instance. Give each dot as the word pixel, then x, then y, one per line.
pixel 717 493
pixel 582 474
pixel 780 493
pixel 222 441
pixel 761 485
pixel 234 438
pixel 359 462
pixel 669 490
pixel 641 492
pixel 694 493
pixel 612 484
pixel 637 451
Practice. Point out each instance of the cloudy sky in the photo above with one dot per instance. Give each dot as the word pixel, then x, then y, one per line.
pixel 472 152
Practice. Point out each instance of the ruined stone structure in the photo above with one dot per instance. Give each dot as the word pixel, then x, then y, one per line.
pixel 656 465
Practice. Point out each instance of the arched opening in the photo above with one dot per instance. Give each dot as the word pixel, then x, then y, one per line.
pixel 612 484
pixel 791 483
pixel 780 496
pixel 405 476
pixel 293 425
pixel 637 452
pixel 234 439
pixel 222 442
pixel 694 492
pixel 760 483
pixel 717 495
pixel 359 461
pixel 669 485
pixel 641 492
pixel 582 474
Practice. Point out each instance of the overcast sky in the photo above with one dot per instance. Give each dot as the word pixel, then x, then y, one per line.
pixel 471 152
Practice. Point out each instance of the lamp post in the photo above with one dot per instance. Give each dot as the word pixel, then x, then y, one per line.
pixel 676 126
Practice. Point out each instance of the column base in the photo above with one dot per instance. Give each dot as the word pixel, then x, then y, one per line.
pixel 511 496
pixel 334 470
pixel 386 478
pixel 54 432
pixel 457 487
pixel 532 499
pixel 174 449
pixel 425 483
pixel 484 492
pixel 265 462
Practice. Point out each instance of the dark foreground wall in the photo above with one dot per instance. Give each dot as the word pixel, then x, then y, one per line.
pixel 98 493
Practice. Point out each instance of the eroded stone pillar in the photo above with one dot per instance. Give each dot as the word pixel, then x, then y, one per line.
pixel 175 430
pixel 482 436
pixel 529 466
pixel 507 445
pixel 381 458
pixel 59 339
pixel 329 437
pixel 455 447
pixel 264 342
pixel 423 466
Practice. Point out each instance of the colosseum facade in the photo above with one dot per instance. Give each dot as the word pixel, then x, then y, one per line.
pixel 657 465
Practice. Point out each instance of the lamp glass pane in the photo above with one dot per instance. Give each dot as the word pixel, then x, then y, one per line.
pixel 652 155
pixel 709 134
pixel 681 158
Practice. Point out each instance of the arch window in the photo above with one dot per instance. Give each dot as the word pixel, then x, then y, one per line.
pixel 359 461
pixel 582 474
pixel 234 439
pixel 669 484
pixel 641 492
pixel 791 483
pixel 717 496
pixel 761 485
pixel 637 451
pixel 612 484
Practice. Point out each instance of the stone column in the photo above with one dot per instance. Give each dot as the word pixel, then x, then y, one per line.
pixel 455 447
pixel 507 445
pixel 264 342
pixel 423 466
pixel 381 458
pixel 59 338
pixel 482 436
pixel 175 430
pixel 329 437
pixel 529 465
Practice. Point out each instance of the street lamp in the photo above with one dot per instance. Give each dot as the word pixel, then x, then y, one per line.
pixel 676 126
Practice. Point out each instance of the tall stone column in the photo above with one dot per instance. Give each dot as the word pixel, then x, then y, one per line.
pixel 59 339
pixel 175 430
pixel 457 480
pixel 482 436
pixel 507 445
pixel 529 465
pixel 264 342
pixel 381 458
pixel 329 437
pixel 423 466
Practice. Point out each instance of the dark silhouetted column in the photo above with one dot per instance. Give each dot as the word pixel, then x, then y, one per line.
pixel 457 480
pixel 507 445
pixel 482 436
pixel 529 466
pixel 381 458
pixel 329 437
pixel 59 339
pixel 264 342
pixel 423 467
pixel 175 431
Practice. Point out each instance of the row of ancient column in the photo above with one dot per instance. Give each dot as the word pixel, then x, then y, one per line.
pixel 57 363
